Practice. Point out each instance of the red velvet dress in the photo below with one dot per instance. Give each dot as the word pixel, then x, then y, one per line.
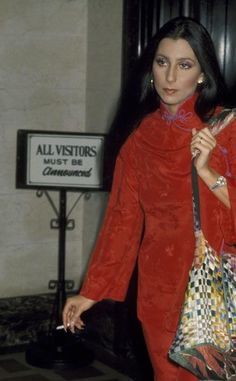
pixel 149 218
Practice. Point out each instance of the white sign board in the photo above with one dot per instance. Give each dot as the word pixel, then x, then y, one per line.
pixel 63 160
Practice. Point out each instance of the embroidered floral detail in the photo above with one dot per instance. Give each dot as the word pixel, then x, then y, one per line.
pixel 170 250
pixel 181 116
pixel 224 152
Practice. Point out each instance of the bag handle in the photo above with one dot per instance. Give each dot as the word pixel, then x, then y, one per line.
pixel 196 199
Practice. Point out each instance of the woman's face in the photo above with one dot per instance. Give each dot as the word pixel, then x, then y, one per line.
pixel 176 72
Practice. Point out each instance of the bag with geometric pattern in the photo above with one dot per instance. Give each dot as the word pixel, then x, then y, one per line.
pixel 205 341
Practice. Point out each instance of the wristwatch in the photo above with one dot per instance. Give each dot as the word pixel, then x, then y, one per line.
pixel 220 182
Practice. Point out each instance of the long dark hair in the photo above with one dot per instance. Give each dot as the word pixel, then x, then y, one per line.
pixel 213 91
pixel 139 98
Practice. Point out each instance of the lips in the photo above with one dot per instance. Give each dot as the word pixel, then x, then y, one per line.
pixel 170 91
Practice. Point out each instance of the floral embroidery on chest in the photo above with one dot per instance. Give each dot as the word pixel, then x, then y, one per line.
pixel 180 117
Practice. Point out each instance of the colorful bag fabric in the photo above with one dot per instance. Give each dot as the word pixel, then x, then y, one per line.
pixel 205 342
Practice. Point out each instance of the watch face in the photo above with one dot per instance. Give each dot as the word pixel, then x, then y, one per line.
pixel 221 181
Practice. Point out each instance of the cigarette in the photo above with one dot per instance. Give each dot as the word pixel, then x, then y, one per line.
pixel 60 327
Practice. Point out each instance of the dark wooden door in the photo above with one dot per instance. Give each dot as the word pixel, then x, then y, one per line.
pixel 142 18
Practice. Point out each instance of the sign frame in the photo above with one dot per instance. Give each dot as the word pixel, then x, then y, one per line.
pixel 31 158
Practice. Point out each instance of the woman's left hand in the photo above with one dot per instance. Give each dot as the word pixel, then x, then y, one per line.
pixel 202 145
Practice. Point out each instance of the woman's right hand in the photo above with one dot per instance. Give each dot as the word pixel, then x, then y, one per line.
pixel 73 309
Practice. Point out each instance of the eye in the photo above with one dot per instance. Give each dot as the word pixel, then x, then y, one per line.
pixel 161 61
pixel 185 65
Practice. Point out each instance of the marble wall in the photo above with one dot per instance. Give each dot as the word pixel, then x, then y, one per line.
pixel 53 59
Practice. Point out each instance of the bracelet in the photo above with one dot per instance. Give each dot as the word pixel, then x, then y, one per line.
pixel 220 182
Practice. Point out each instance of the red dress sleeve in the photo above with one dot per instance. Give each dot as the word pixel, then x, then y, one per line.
pixel 228 216
pixel 115 253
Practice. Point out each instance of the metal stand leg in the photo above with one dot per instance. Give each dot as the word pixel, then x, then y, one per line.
pixel 61 296
pixel 61 284
pixel 59 348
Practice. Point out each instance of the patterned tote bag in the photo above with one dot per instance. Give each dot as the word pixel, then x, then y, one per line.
pixel 205 341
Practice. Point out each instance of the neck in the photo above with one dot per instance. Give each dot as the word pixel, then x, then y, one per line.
pixel 188 103
pixel 172 109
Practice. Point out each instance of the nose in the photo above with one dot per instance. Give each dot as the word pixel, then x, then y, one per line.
pixel 171 73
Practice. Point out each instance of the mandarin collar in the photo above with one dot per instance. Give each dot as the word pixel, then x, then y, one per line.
pixel 184 115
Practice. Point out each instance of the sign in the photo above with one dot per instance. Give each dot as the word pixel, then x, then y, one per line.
pixel 59 160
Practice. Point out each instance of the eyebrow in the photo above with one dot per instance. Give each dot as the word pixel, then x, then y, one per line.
pixel 178 59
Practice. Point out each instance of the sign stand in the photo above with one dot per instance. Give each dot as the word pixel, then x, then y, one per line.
pixel 62 223
pixel 61 259
pixel 60 161
pixel 59 348
pixel 61 284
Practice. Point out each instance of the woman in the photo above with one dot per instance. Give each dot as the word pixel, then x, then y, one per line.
pixel 149 215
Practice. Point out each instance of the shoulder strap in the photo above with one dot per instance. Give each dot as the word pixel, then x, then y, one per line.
pixel 196 199
pixel 217 124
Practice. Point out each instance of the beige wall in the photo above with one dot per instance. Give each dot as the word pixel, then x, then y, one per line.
pixel 104 62
pixel 46 83
pixel 103 88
